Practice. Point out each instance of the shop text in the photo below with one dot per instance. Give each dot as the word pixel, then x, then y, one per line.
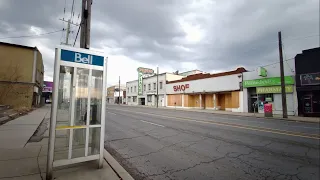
pixel 180 87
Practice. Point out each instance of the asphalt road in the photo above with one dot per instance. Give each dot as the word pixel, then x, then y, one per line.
pixel 173 144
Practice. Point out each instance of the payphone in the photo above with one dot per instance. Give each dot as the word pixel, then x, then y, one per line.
pixel 78 107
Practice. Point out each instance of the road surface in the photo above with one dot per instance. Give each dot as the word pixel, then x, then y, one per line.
pixel 174 144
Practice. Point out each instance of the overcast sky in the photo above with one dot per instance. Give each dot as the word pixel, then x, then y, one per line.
pixel 209 35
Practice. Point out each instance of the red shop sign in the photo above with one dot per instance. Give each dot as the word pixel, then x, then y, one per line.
pixel 180 87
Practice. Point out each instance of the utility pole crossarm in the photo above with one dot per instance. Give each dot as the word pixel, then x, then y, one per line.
pixel 68 21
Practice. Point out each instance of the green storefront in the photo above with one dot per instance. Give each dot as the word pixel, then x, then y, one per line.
pixel 267 90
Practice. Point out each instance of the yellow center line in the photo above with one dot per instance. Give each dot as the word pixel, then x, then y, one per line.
pixel 269 130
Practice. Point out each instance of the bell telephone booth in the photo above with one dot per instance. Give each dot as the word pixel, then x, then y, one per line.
pixel 78 107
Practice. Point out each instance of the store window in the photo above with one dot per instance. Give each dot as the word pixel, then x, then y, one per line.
pixel 134 98
pixel 149 97
pixel 265 97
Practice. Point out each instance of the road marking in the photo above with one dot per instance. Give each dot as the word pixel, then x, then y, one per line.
pixel 254 128
pixel 152 123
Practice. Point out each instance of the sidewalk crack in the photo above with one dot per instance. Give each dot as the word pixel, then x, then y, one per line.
pixel 39 164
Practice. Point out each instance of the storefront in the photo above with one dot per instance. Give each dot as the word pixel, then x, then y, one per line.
pixel 207 91
pixel 47 91
pixel 268 91
pixel 308 82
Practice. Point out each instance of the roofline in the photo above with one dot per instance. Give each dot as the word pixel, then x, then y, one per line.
pixel 208 75
pixel 190 71
pixel 19 45
pixel 153 76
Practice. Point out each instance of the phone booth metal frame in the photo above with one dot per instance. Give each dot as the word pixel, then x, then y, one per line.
pixel 79 81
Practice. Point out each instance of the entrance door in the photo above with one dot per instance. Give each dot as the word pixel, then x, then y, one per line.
pixel 307 104
pixel 203 99
pixel 79 114
pixel 143 101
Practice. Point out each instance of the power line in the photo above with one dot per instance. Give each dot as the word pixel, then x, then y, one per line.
pixel 75 40
pixel 277 62
pixel 42 34
pixel 302 37
pixel 72 12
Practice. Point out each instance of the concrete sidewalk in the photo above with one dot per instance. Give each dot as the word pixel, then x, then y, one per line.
pixel 21 159
pixel 290 118
pixel 16 133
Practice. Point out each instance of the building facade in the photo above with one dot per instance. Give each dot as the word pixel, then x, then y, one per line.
pixel 47 91
pixel 307 66
pixel 221 91
pixel 21 75
pixel 149 90
pixel 114 95
pixel 263 86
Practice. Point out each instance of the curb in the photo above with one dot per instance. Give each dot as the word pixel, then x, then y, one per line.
pixel 4 119
pixel 120 171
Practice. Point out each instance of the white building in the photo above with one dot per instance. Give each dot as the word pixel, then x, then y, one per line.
pixel 266 88
pixel 192 72
pixel 149 95
pixel 221 91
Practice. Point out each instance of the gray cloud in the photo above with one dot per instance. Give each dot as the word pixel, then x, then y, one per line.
pixel 227 33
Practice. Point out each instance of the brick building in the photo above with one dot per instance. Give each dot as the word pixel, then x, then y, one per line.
pixel 21 75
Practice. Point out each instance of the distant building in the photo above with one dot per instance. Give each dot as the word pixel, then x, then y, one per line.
pixel 21 75
pixel 47 91
pixel 192 72
pixel 113 94
pixel 149 90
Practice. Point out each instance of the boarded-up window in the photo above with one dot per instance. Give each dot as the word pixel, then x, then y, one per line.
pixel 174 100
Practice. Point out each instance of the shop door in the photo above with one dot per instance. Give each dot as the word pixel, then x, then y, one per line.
pixel 307 104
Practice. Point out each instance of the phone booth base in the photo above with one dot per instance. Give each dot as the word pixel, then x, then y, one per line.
pixel 78 107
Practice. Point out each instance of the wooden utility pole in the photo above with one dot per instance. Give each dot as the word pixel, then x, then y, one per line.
pixel 157 87
pixel 85 24
pixel 283 90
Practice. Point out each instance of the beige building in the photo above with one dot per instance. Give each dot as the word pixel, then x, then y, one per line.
pixel 21 75
pixel 113 94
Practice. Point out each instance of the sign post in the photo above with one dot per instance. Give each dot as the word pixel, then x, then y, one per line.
pixel 78 107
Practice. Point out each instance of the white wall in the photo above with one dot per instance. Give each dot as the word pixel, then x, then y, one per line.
pixel 133 93
pixel 173 77
pixel 153 91
pixel 274 71
pixel 214 84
